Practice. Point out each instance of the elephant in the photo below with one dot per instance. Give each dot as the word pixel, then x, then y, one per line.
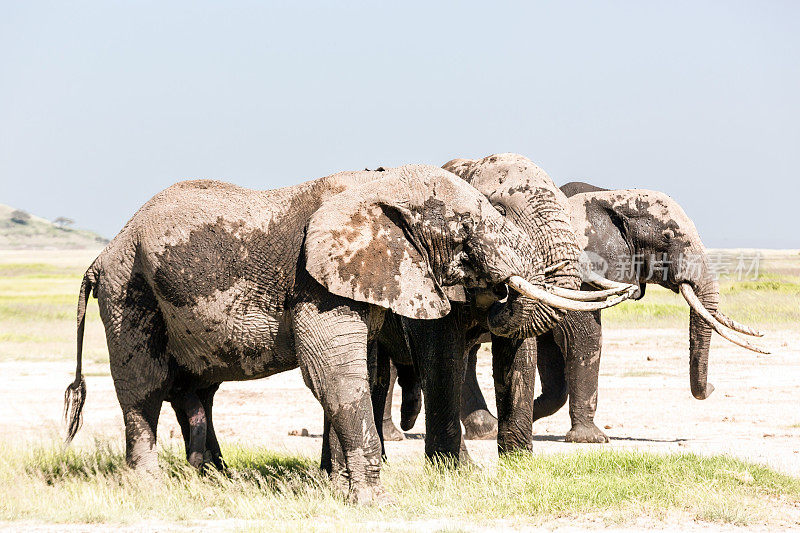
pixel 527 197
pixel 642 237
pixel 639 237
pixel 210 282
pixel 523 175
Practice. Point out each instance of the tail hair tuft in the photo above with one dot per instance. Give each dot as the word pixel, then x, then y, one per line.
pixel 74 398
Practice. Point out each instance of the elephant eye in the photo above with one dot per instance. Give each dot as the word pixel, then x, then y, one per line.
pixel 500 209
pixel 668 234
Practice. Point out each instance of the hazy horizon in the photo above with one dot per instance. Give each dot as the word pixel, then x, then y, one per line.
pixel 102 105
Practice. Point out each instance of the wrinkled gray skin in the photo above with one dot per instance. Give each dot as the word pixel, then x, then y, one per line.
pixel 527 197
pixel 617 225
pixel 210 282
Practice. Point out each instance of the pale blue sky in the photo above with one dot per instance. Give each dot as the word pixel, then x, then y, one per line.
pixel 102 104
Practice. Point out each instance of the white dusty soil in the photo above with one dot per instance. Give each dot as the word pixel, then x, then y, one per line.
pixel 644 403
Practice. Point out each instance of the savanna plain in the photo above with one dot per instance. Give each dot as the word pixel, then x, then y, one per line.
pixel 729 462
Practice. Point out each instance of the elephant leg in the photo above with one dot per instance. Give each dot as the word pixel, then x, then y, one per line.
pixel 514 370
pixel 391 339
pixel 437 347
pixel 331 344
pixel 183 422
pixel 390 431
pixel 197 429
pixel 581 341
pixel 552 373
pixel 333 460
pixel 141 422
pixel 192 419
pixel 479 423
pixel 379 388
pixel 412 395
pixel 213 453
pixel 140 367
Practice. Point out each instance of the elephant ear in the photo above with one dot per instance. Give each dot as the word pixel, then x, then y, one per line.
pixel 608 237
pixel 356 247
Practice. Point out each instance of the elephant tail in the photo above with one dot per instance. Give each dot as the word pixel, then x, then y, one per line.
pixel 75 395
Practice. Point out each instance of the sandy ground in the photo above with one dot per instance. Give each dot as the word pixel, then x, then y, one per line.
pixel 644 403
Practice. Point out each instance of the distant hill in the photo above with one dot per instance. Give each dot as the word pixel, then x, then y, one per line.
pixel 20 230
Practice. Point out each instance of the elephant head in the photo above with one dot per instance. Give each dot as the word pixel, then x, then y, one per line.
pixel 526 196
pixel 644 237
pixel 401 240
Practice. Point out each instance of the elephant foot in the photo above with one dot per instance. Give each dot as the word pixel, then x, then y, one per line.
pixel 147 468
pixel 197 460
pixel 214 461
pixel 588 433
pixel 371 495
pixel 480 425
pixel 209 462
pixel 390 431
pixel 154 476
pixel 340 484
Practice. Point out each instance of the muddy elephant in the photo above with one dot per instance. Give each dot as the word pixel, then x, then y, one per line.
pixel 640 237
pixel 527 198
pixel 636 236
pixel 210 282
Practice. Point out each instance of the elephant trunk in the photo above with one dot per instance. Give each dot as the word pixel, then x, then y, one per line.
pixel 521 316
pixel 704 318
pixel 557 257
pixel 543 272
pixel 700 338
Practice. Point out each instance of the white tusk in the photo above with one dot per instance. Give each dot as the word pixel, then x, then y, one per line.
pixel 599 281
pixel 728 322
pixel 591 296
pixel 523 286
pixel 695 303
pixel 555 268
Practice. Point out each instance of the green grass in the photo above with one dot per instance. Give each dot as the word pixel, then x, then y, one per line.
pixel 770 301
pixel 38 298
pixel 94 486
pixel 40 270
pixel 767 282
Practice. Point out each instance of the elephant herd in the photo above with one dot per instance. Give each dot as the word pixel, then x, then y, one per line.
pixel 362 276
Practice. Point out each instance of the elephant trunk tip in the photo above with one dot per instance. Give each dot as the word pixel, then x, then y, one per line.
pixel 702 395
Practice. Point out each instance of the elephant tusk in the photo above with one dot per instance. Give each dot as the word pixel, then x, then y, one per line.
pixel 728 322
pixel 523 286
pixel 694 302
pixel 597 280
pixel 591 296
pixel 555 268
